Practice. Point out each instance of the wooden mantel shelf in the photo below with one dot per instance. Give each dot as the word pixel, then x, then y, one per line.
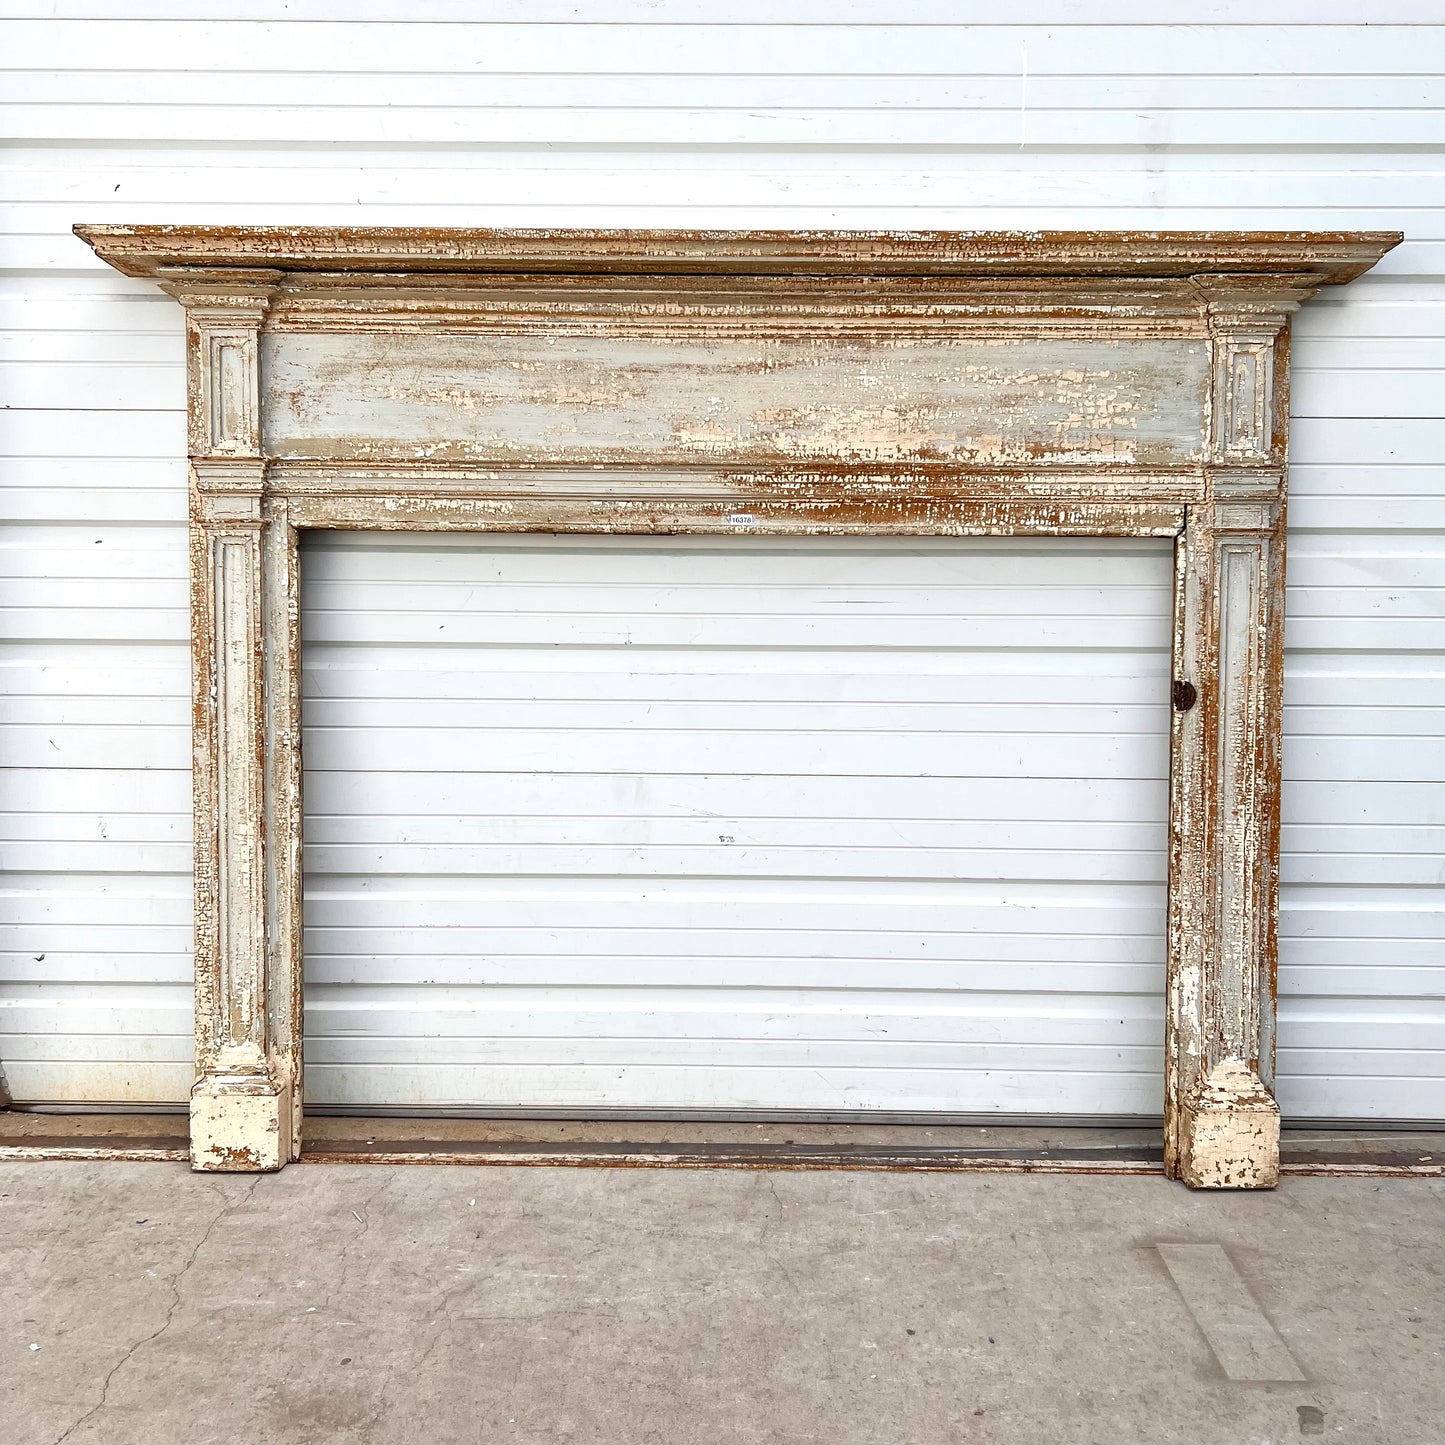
pixel 1316 257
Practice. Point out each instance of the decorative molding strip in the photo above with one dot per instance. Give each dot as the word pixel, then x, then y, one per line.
pixel 1332 257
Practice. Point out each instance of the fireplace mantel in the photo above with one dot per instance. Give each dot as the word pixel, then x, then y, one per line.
pixel 1122 384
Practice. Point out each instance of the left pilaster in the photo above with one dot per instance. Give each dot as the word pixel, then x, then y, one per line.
pixel 243 1104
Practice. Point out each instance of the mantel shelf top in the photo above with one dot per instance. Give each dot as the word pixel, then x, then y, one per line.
pixel 1324 257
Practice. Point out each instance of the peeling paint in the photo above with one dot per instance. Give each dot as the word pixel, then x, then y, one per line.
pixel 920 383
pixel 477 396
pixel 1230 1131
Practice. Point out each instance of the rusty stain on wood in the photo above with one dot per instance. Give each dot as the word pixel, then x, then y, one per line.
pixel 803 383
pixel 34 1135
pixel 1334 256
pixel 463 397
pixel 44 1151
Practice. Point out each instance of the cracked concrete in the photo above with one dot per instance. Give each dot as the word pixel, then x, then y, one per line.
pixel 626 1307
pixel 175 1282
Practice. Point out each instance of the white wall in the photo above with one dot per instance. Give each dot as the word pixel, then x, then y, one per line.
pixel 1279 114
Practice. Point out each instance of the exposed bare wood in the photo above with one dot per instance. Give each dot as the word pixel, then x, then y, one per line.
pixel 1124 384
pixel 869 401
pixel 797 516
pixel 1333 256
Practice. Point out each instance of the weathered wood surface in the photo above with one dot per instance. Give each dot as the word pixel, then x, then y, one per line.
pixel 1014 402
pixel 1334 256
pixel 419 400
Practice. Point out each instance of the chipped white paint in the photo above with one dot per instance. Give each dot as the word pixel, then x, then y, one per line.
pixel 1229 1130
pixel 242 1114
pixel 403 428
pixel 867 400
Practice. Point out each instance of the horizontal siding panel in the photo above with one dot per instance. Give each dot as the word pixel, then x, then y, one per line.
pixel 1377 312
pixel 341 948
pixel 1056 14
pixel 1042 130
pixel 93 1008
pixel 845 1060
pixel 124 594
pixel 117 746
pixel 698 713
pixel 102 504
pixel 135 385
pixel 51 709
pixel 100 436
pixel 1323 803
pixel 1397 867
pixel 134 946
pixel 114 898
pixel 98 857
pixel 69 788
pixel 344 625
pixel 1341 440
pixel 1380 480
pixel 1339 1097
pixel 724 751
pixel 751 796
pixel 1425 515
pixel 768 1016
pixel 361 830
pixel 120 828
pixel 700 49
pixel 722 859
pixel 100 1075
pixel 1377 392
pixel 1362 914
pixel 797 1088
pixel 38 177
pixel 740 112
pixel 84 968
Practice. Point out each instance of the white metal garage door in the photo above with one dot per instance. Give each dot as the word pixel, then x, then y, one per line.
pixel 739 823
pixel 95 910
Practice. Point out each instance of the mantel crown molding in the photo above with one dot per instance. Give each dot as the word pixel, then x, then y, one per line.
pixel 1316 257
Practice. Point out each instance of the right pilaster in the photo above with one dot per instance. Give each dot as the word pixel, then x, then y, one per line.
pixel 1222 1121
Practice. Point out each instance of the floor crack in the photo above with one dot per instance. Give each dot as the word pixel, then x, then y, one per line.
pixel 175 1283
pixel 364 1219
pixel 765 1234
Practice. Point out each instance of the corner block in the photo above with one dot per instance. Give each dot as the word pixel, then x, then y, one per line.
pixel 240 1116
pixel 1230 1131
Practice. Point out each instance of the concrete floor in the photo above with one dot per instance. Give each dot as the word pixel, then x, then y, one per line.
pixel 362 1303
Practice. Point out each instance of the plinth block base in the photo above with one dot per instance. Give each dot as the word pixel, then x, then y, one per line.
pixel 240 1124
pixel 1230 1131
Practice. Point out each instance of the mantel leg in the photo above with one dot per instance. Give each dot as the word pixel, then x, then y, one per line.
pixel 241 1106
pixel 1223 1120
